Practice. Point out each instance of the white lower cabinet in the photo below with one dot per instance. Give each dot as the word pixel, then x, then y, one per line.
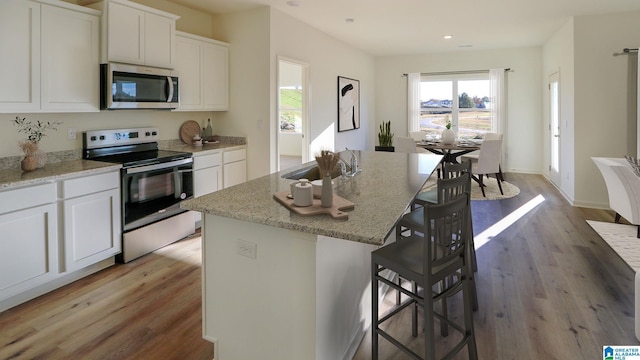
pixel 207 176
pixel 29 240
pixel 235 167
pixel 91 228
pixel 56 232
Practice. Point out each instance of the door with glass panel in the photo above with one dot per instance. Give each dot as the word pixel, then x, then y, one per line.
pixel 293 144
pixel 554 128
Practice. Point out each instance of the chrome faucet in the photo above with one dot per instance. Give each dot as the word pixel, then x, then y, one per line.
pixel 353 168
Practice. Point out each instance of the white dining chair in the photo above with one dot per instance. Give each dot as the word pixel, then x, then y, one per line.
pixel 406 145
pixel 488 163
pixel 473 156
pixel 417 135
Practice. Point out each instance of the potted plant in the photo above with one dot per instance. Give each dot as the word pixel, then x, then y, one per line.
pixel 33 157
pixel 385 137
pixel 448 136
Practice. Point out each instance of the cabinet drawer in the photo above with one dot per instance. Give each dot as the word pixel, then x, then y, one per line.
pixel 12 200
pixel 89 184
pixel 206 161
pixel 234 155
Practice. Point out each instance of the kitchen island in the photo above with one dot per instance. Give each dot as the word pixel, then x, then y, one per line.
pixel 277 285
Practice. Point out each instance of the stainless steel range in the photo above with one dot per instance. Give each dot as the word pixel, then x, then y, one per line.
pixel 153 183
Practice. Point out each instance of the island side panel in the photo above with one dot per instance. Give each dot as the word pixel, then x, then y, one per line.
pixel 343 291
pixel 263 307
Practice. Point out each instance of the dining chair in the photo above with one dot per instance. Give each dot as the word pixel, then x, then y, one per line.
pixel 417 135
pixel 449 170
pixel 488 163
pixel 435 260
pixel 446 190
pixel 407 145
pixel 474 155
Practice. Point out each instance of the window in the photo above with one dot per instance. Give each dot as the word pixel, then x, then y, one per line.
pixel 463 100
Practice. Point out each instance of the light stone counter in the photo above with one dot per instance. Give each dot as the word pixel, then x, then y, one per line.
pixel 256 250
pixel 14 178
pixel 381 194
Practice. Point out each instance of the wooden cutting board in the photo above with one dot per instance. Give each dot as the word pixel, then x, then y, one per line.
pixel 336 211
pixel 188 129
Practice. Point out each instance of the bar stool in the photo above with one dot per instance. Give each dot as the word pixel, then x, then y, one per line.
pixel 435 260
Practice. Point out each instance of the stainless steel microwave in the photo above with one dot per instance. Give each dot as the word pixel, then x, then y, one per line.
pixel 125 86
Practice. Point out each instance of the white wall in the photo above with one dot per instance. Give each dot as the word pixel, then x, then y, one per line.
pixel 558 57
pixel 605 123
pixel 523 137
pixel 257 38
pixel 290 144
pixel 249 86
pixel 328 58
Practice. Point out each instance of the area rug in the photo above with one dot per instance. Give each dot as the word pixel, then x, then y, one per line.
pixel 491 189
pixel 621 238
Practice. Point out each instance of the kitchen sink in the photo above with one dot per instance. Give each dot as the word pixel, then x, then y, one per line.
pixel 312 173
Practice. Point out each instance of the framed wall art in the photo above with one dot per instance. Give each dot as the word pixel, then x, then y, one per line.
pixel 348 104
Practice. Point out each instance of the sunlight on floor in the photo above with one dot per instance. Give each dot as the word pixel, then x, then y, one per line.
pixel 507 221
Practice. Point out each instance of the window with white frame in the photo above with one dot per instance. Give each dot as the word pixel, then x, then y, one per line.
pixel 462 99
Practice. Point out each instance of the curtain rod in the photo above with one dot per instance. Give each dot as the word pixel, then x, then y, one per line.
pixel 459 72
pixel 626 51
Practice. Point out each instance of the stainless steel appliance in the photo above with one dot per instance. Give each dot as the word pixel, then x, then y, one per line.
pixel 138 87
pixel 153 183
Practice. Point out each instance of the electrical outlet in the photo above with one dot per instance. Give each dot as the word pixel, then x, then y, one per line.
pixel 246 248
pixel 72 134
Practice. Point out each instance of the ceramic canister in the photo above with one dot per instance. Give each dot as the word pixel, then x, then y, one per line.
pixel 303 193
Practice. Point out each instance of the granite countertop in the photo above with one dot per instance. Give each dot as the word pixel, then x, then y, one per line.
pixel 204 148
pixel 14 178
pixel 381 193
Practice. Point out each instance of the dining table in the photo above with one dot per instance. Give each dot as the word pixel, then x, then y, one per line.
pixel 451 152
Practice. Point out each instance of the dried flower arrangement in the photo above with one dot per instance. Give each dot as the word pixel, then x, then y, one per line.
pixel 33 157
pixel 35 131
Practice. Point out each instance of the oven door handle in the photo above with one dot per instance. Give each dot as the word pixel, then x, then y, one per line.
pixel 152 167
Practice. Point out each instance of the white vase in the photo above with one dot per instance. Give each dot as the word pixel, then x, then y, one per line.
pixel 448 136
pixel 326 197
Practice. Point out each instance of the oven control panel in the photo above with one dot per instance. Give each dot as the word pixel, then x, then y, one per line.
pixel 116 137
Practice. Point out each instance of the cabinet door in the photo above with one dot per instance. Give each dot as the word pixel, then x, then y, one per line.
pixel 20 60
pixel 28 249
pixel 235 173
pixel 207 180
pixel 70 80
pixel 215 72
pixel 159 41
pixel 125 41
pixel 91 228
pixel 188 65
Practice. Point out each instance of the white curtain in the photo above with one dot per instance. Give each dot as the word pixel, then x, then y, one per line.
pixel 498 106
pixel 498 100
pixel 413 102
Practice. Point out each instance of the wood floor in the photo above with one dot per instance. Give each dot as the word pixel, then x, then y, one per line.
pixel 548 286
pixel 147 309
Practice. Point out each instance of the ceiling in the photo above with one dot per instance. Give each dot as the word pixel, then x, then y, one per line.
pixel 400 27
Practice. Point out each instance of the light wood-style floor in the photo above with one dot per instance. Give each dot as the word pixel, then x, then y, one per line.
pixel 548 286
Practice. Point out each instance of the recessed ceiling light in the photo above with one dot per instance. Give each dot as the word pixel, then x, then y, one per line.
pixel 447 37
pixel 349 20
pixel 465 46
pixel 293 3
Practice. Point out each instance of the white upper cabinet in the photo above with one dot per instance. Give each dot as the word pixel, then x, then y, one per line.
pixel 70 79
pixel 20 62
pixel 136 34
pixel 203 67
pixel 50 57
